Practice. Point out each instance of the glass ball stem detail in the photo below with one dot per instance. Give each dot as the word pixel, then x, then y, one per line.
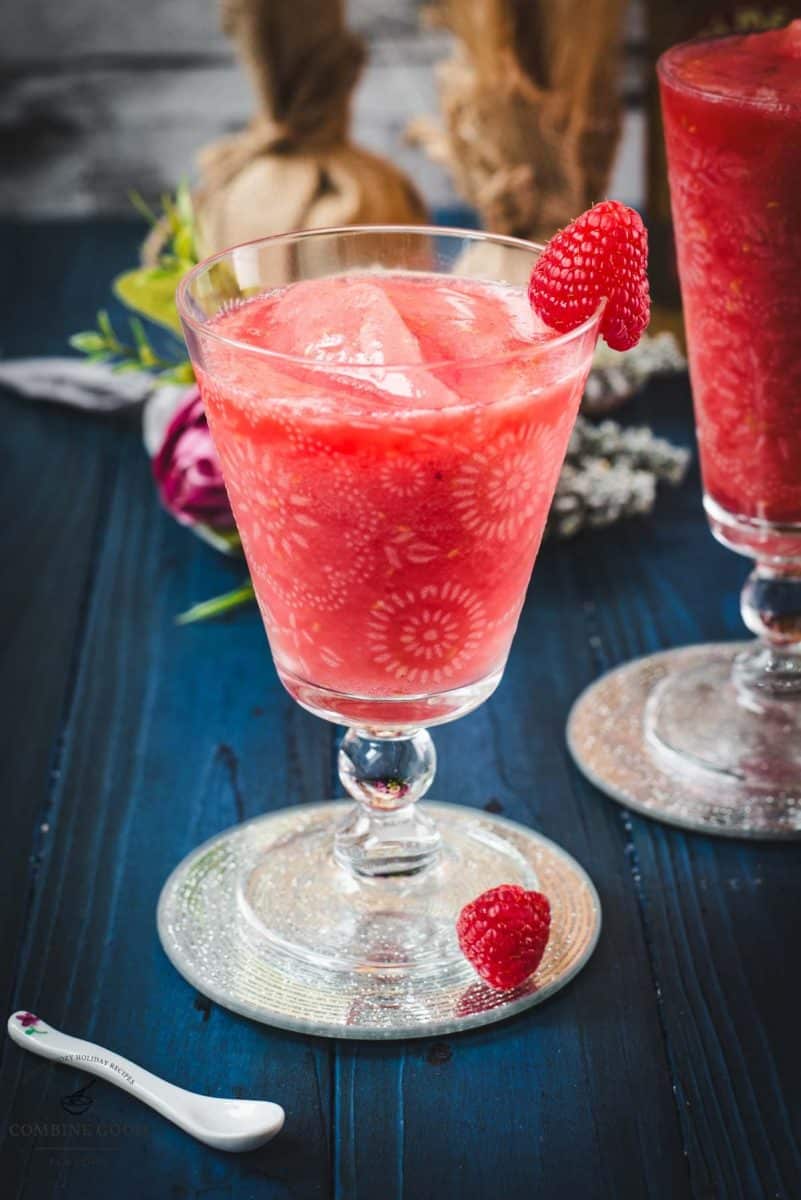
pixel 387 772
pixel 770 604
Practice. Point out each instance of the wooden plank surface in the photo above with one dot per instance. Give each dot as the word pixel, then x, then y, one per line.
pixel 50 547
pixel 156 752
pixel 670 1068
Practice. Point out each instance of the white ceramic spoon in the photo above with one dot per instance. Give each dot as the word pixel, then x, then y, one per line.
pixel 225 1124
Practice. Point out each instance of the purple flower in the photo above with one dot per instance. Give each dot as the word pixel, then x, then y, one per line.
pixel 25 1019
pixel 187 470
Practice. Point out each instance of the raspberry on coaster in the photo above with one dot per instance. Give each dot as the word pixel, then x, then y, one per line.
pixel 602 255
pixel 503 933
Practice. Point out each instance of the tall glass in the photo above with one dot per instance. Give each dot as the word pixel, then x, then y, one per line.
pixel 724 723
pixel 390 546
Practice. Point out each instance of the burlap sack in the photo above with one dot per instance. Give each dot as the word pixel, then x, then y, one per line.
pixel 294 167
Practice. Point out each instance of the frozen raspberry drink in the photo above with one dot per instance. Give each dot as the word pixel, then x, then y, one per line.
pixel 732 114
pixel 712 735
pixel 391 418
pixel 390 443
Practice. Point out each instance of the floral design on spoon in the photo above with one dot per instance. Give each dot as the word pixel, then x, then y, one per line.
pixel 29 1021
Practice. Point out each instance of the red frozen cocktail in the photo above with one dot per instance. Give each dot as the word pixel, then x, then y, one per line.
pixel 709 737
pixel 732 114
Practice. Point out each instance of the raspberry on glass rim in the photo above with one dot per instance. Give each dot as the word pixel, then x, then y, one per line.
pixel 602 256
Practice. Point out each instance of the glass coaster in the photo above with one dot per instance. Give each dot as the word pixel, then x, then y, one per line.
pixel 236 936
pixel 671 736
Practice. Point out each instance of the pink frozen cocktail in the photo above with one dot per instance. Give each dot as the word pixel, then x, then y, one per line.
pixel 732 113
pixel 391 418
pixel 391 443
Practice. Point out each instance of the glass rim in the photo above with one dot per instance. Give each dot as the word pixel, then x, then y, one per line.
pixel 205 328
pixel 667 72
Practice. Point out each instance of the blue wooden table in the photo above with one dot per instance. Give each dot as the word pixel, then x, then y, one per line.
pixel 670 1068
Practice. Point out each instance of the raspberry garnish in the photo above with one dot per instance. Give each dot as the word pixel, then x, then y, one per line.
pixel 602 254
pixel 503 933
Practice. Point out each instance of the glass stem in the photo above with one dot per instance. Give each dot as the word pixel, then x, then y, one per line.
pixel 770 604
pixel 387 772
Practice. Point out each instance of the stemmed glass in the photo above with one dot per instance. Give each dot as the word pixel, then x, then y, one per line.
pixel 390 512
pixel 710 737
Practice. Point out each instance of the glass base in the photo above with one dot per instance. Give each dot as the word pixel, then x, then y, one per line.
pixel 676 737
pixel 396 713
pixel 299 900
pixel 264 920
pixel 701 720
pixel 768 541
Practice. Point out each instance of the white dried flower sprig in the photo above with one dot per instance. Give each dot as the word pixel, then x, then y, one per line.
pixel 615 376
pixel 612 472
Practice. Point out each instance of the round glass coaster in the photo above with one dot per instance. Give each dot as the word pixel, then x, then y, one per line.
pixel 673 737
pixel 263 920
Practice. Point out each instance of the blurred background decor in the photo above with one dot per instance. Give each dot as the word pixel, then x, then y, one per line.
pixel 294 166
pixel 101 96
pixel 530 108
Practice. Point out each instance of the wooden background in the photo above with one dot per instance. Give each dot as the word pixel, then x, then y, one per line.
pixel 101 96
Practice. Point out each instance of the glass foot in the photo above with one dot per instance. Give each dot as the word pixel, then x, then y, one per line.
pixel 680 736
pixel 297 898
pixel 700 720
pixel 265 920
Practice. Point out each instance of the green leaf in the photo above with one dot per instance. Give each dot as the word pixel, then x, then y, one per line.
pixel 89 342
pixel 226 543
pixel 184 244
pixel 166 268
pixel 127 366
pixel 217 605
pixel 183 203
pixel 181 217
pixel 151 292
pixel 147 355
pixel 181 373
pixel 107 329
pixel 142 207
pixel 139 335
